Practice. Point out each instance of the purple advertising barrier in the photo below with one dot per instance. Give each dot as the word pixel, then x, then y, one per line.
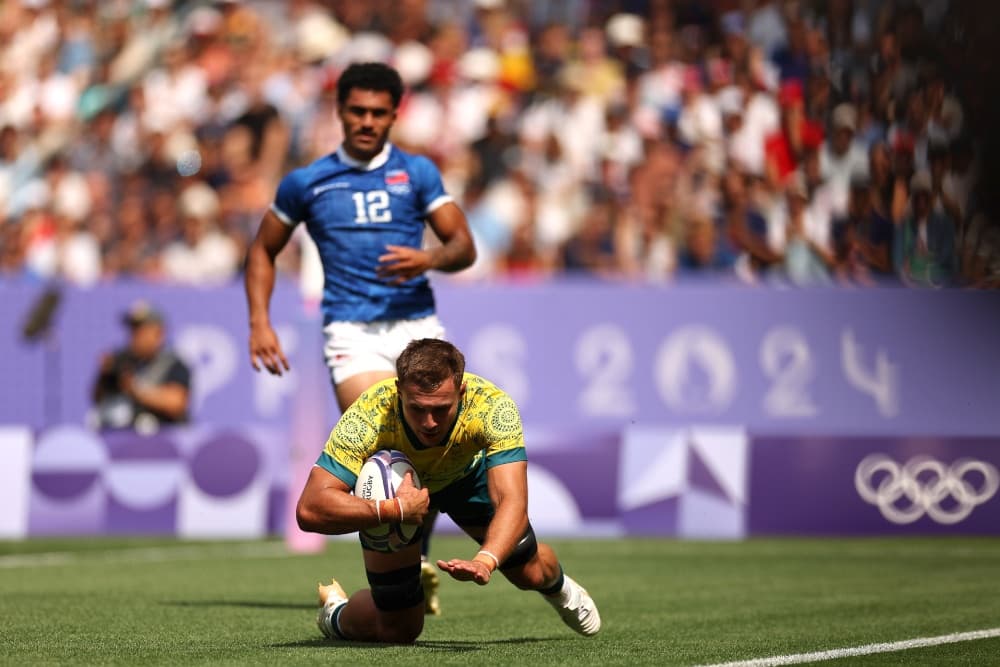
pixel 636 401
pixel 594 354
pixel 703 482
pixel 586 465
pixel 683 482
pixel 794 361
pixel 208 327
pixel 572 483
pixel 186 481
pixel 874 486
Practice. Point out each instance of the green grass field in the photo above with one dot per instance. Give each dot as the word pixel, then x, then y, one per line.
pixel 663 602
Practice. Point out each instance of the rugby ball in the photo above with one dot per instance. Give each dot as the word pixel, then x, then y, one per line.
pixel 379 478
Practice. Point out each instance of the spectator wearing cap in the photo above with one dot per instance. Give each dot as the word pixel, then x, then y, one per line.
pixel 626 35
pixel 204 255
pixel 841 157
pixel 143 384
pixel 925 244
pixel 77 249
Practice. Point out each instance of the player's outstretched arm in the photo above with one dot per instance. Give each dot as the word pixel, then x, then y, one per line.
pixel 265 348
pixel 508 484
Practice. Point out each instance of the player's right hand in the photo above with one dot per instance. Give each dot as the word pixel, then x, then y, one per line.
pixel 265 347
pixel 467 570
pixel 416 502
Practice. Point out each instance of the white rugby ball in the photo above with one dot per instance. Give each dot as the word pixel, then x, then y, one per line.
pixel 379 478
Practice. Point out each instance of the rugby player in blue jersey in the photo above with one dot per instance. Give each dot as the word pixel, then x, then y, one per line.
pixel 365 206
pixel 465 439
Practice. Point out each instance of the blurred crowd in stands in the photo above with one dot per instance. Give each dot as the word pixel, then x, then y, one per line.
pixel 790 142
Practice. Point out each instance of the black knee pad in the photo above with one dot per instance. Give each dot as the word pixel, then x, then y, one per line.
pixel 396 589
pixel 525 550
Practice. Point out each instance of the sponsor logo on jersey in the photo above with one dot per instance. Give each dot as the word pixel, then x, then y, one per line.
pixel 397 182
pixel 339 185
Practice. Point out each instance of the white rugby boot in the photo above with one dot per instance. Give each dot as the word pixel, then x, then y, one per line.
pixel 576 607
pixel 429 580
pixel 331 596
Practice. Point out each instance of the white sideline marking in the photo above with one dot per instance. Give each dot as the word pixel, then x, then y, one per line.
pixel 867 649
pixel 142 555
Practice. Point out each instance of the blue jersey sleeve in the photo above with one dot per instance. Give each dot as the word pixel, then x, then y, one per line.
pixel 428 186
pixel 289 202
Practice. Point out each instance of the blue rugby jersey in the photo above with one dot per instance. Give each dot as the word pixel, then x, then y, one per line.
pixel 353 210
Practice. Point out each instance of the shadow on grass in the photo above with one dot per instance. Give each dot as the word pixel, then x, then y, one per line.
pixel 253 604
pixel 454 646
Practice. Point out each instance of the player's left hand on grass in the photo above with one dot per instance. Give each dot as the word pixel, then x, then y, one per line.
pixel 402 263
pixel 467 570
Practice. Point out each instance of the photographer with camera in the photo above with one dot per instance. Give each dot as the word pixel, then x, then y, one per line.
pixel 143 384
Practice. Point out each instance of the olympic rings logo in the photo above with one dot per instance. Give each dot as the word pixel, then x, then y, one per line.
pixel 921 486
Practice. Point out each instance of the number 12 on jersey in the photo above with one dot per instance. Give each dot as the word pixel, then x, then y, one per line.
pixel 371 206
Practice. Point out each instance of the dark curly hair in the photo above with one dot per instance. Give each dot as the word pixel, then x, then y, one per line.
pixel 370 76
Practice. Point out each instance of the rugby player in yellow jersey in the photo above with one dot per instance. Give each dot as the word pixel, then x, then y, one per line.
pixel 464 437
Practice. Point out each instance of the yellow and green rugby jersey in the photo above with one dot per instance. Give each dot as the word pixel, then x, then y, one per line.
pixel 488 424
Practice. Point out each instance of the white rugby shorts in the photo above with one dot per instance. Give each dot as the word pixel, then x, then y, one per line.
pixel 361 347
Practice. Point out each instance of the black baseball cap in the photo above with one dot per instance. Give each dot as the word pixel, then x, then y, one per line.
pixel 141 312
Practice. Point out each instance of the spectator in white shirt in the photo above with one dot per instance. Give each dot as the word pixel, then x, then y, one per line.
pixel 203 255
pixel 842 156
